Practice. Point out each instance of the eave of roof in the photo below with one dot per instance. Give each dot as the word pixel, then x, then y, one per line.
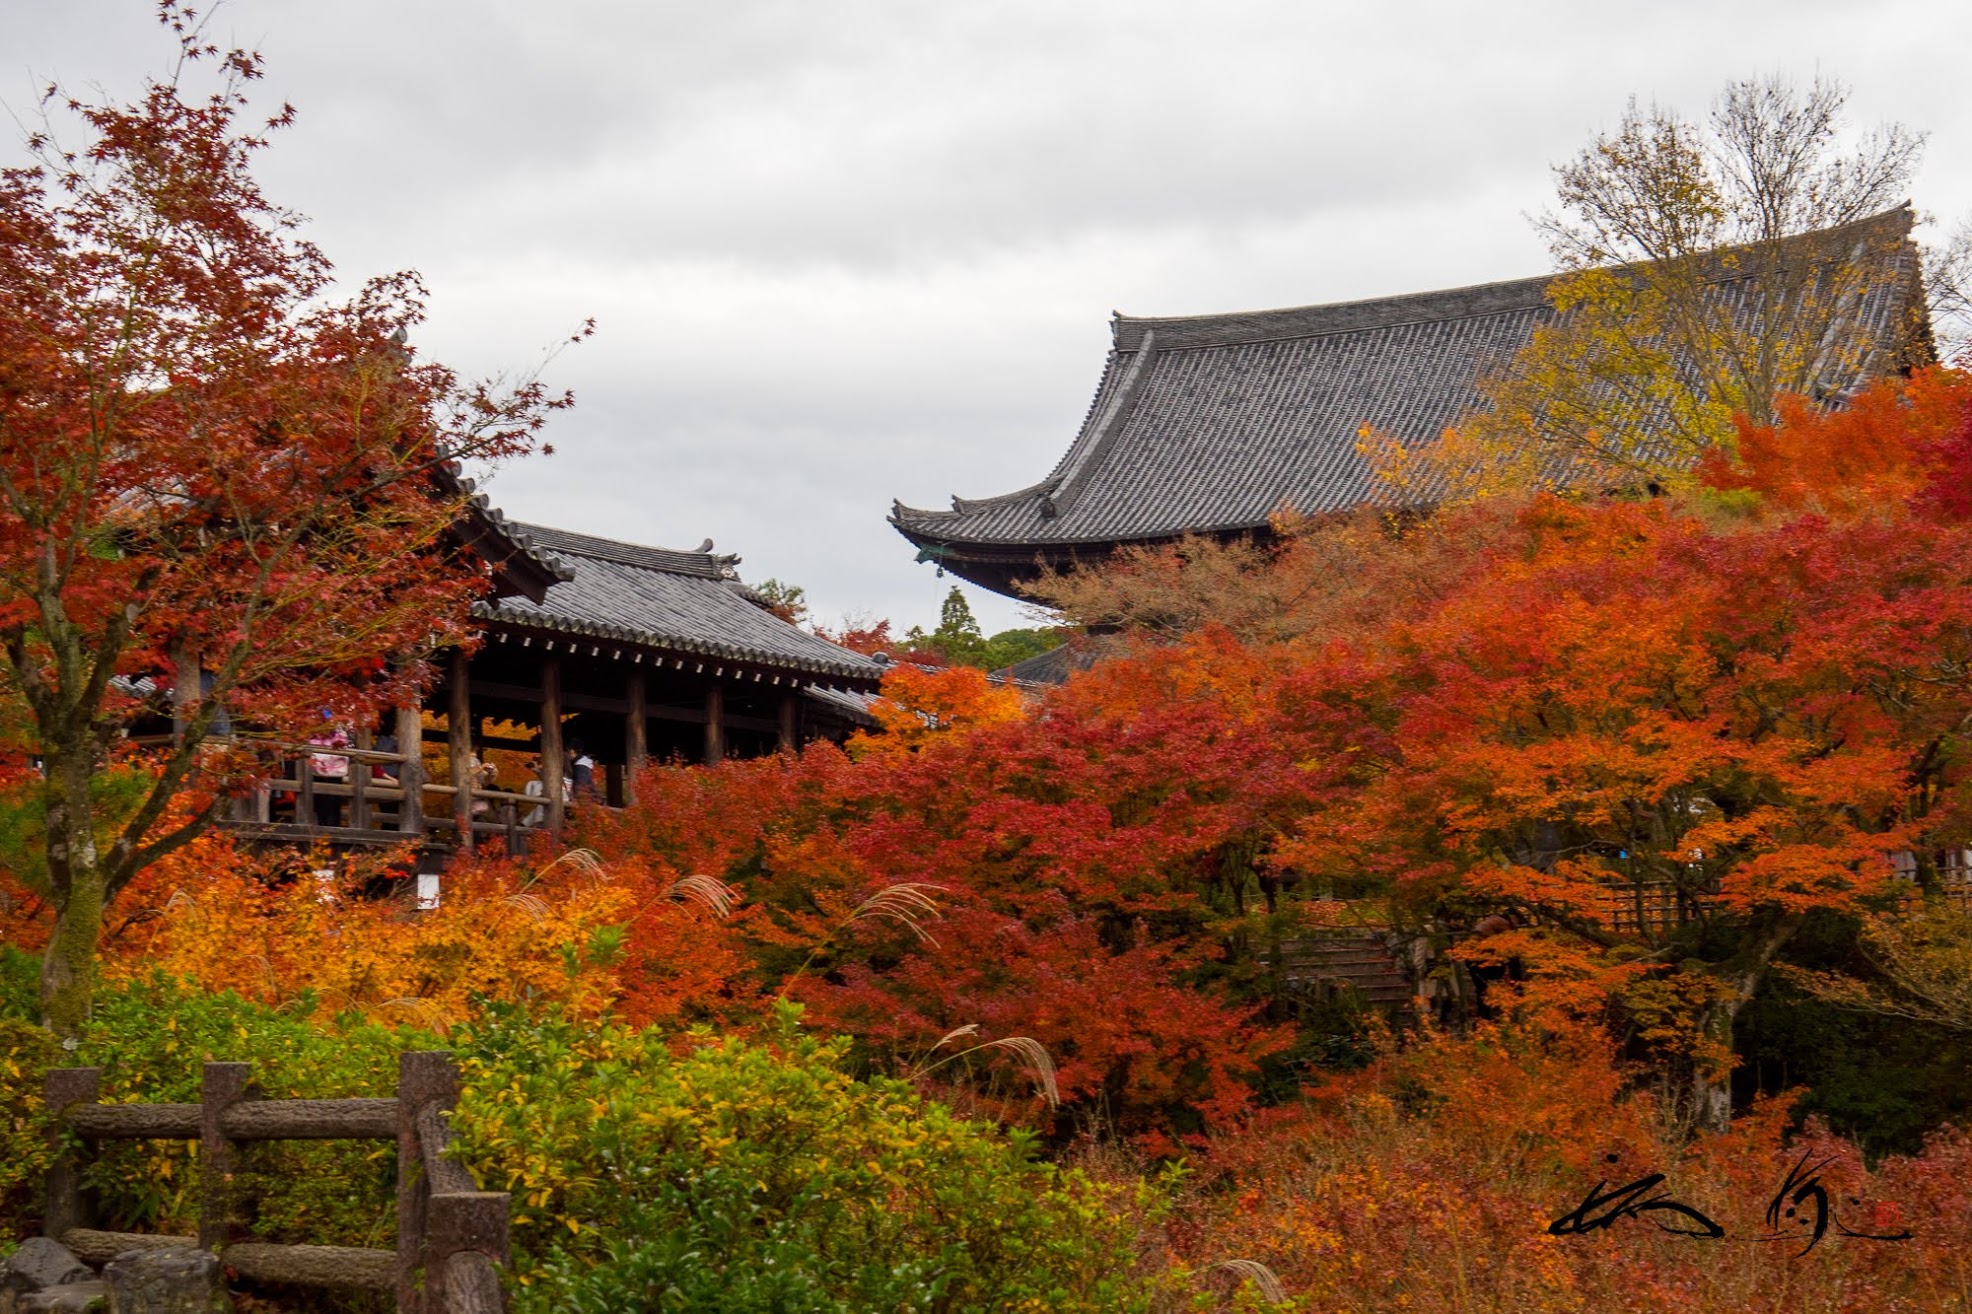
pixel 519 565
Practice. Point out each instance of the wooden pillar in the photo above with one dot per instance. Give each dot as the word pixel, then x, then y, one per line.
pixel 790 722
pixel 65 1088
pixel 304 797
pixel 225 1086
pixel 359 783
pixel 411 743
pixel 554 760
pixel 458 718
pixel 636 735
pixel 715 725
pixel 185 690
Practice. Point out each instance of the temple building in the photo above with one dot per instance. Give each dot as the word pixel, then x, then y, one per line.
pixel 1209 424
pixel 596 658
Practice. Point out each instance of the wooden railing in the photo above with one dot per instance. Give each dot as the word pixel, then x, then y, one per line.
pixel 450 1234
pixel 376 806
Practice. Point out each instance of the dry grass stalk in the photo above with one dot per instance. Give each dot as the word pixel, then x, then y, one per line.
pixel 714 896
pixel 969 1029
pixel 1252 1270
pixel 1026 1048
pixel 423 1012
pixel 908 902
pixel 587 861
pixel 533 905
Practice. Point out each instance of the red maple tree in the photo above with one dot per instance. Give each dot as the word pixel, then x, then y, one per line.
pixel 214 480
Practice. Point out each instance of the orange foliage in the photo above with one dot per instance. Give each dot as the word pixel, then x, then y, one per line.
pixel 918 702
pixel 1871 454
pixel 1429 1182
pixel 276 931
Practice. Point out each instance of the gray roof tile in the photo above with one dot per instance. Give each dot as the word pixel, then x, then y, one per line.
pixel 1214 422
pixel 690 602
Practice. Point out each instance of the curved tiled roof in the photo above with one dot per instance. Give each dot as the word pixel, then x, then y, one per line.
pixel 676 601
pixel 1211 423
pixel 503 543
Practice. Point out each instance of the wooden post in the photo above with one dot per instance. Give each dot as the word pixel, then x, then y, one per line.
pixel 64 1089
pixel 466 1235
pixel 460 1221
pixel 715 725
pixel 458 717
pixel 359 784
pixel 636 735
pixel 225 1086
pixel 411 743
pixel 790 712
pixel 554 761
pixel 423 1080
pixel 304 797
pixel 185 689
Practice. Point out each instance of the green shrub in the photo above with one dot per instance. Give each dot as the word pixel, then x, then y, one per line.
pixel 735 1177
pixel 26 1053
pixel 20 984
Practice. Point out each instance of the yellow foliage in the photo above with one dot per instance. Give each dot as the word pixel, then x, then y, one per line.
pixel 498 934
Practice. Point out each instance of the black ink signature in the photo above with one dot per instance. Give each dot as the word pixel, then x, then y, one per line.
pixel 1803 1185
pixel 1624 1202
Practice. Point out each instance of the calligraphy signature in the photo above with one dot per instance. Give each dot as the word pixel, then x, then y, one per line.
pixel 1606 1206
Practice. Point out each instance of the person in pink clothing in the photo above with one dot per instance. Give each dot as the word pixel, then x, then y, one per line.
pixel 332 768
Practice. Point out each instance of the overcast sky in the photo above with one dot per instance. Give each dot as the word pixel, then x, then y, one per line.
pixel 844 252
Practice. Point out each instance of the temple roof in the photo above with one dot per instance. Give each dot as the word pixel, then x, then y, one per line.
pixel 670 600
pixel 518 565
pixel 1211 423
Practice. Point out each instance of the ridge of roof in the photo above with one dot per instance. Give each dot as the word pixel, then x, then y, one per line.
pixel 1175 332
pixel 701 561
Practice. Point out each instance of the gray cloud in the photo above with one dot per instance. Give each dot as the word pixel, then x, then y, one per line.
pixel 848 250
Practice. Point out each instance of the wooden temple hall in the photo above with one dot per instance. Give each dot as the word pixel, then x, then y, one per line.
pixel 1209 424
pixel 598 657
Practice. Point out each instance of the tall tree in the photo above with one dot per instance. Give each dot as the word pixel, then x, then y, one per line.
pixel 1694 288
pixel 214 481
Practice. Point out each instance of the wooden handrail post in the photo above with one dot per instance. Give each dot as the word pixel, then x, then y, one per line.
pixel 304 798
pixel 424 1080
pixel 458 1221
pixel 219 1158
pixel 359 783
pixel 64 1089
pixel 466 1234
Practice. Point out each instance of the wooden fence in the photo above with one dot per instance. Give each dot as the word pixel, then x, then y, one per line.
pixel 450 1234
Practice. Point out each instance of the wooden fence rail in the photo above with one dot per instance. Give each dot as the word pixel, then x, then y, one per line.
pixel 450 1234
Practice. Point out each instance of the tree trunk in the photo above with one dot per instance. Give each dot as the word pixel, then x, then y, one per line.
pixel 1711 1093
pixel 78 891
